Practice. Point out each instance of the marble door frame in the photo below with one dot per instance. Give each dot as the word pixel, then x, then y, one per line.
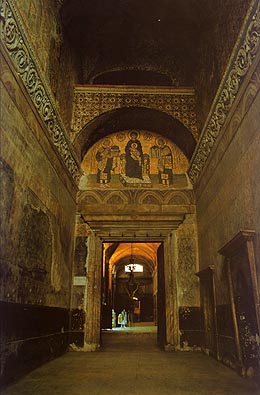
pixel 92 299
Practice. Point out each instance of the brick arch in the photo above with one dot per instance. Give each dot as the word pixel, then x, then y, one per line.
pixel 140 118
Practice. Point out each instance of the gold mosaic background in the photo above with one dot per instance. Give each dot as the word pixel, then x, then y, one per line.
pixel 114 147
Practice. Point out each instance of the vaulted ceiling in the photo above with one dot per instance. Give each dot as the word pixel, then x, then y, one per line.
pixel 143 253
pixel 137 36
pixel 132 36
pixel 151 42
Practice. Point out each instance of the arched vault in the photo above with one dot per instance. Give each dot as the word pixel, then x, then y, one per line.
pixel 145 253
pixel 135 118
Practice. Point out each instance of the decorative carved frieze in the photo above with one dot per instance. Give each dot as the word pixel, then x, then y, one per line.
pixel 92 101
pixel 242 59
pixel 247 100
pixel 115 197
pixel 25 63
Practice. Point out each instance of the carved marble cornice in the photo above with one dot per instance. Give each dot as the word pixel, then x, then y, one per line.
pixel 240 62
pixel 25 63
pixel 91 101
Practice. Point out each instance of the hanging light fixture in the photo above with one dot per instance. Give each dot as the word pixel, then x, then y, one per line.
pixel 131 285
pixel 131 265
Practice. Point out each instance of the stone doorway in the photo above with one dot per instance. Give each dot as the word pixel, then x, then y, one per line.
pixel 99 296
pixel 111 223
pixel 130 287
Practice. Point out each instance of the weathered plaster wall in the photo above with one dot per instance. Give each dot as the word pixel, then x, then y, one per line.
pixel 41 20
pixel 228 195
pixel 37 235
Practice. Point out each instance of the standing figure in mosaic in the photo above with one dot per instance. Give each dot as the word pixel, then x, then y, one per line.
pixel 146 167
pixel 165 162
pixel 105 156
pixel 134 157
pixel 122 164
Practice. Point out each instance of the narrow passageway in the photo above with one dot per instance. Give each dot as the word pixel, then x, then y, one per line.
pixel 130 363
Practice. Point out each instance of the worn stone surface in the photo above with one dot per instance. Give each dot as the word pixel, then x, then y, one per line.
pixel 39 212
pixel 132 363
pixel 34 256
pixel 7 185
pixel 37 199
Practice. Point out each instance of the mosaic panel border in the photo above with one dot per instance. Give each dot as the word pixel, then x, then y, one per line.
pixel 92 101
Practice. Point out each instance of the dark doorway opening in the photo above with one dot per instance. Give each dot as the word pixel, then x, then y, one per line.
pixel 130 287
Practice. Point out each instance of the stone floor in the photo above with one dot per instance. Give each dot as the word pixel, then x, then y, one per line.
pixel 131 364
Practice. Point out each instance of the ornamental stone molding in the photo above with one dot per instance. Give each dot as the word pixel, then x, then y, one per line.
pixel 247 47
pixel 138 197
pixel 91 101
pixel 25 63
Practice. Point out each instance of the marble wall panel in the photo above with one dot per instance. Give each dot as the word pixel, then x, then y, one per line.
pixel 30 336
pixel 228 200
pixel 80 256
pixel 190 328
pixel 34 182
pixel 187 263
pixel 39 203
pixel 7 187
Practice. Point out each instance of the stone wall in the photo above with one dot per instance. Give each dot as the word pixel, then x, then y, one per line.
pixel 228 198
pixel 37 235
